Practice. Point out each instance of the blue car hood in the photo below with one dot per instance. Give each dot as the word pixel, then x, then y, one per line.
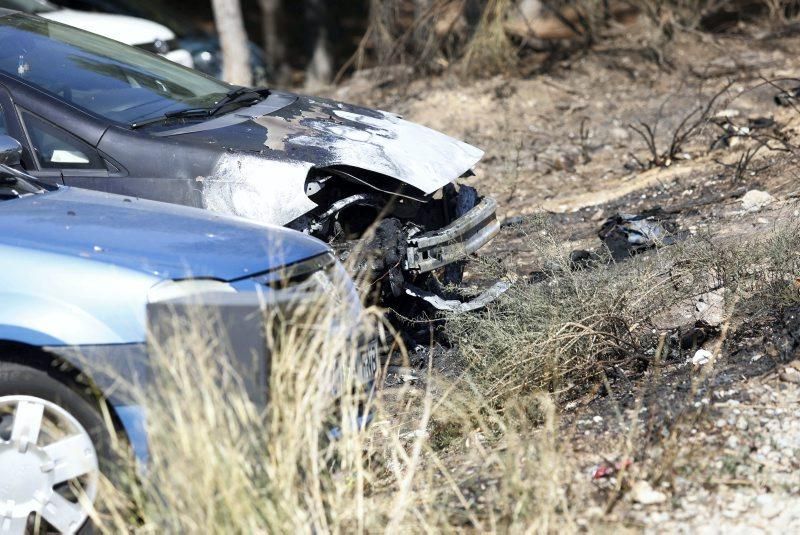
pixel 165 240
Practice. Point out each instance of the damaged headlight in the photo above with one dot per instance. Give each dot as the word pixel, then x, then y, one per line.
pixel 168 290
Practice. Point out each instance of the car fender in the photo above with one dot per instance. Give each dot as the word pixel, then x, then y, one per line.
pixel 41 321
pixel 86 302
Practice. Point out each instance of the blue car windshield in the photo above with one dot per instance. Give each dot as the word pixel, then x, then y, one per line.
pixel 110 79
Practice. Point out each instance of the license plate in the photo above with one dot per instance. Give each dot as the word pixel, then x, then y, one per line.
pixel 367 363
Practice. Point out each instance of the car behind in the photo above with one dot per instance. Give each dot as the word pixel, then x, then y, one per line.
pixel 135 31
pixel 203 45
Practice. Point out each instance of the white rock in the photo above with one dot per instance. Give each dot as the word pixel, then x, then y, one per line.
pixel 644 494
pixel 727 114
pixel 754 200
pixel 741 423
pixel 790 375
pixel 701 357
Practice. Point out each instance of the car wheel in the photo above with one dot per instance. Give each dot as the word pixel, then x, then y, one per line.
pixel 51 440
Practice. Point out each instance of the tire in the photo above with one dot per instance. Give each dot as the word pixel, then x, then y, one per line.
pixel 60 399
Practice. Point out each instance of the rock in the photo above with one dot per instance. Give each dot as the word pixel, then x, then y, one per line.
pixel 754 200
pixel 710 307
pixel 769 507
pixel 620 136
pixel 790 375
pixel 595 512
pixel 643 493
pixel 741 423
pixel 701 358
pixel 726 114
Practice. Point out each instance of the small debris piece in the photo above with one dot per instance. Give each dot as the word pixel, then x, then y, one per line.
pixel 755 200
pixel 512 221
pixel 626 235
pixel 701 358
pixel 726 114
pixel 643 493
pixel 698 334
pixel 459 307
pixel 583 259
pixel 787 98
pixel 755 123
pixel 607 469
pixel 710 307
pixel 403 374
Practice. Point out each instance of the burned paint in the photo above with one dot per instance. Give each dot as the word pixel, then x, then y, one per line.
pixel 324 133
pixel 411 153
pixel 255 188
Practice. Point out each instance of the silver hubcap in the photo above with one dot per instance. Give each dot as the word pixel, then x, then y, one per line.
pixel 48 465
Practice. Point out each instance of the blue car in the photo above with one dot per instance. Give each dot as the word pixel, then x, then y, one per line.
pixel 86 275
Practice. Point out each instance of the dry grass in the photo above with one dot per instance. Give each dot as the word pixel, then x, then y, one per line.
pixel 485 451
pixel 568 332
pixel 433 35
pixel 218 463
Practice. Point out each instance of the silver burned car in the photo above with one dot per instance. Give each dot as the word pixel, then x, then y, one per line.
pixel 101 115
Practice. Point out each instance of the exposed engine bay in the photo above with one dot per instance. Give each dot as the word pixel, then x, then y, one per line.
pixel 413 244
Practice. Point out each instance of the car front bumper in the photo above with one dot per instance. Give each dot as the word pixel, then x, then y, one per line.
pixel 435 249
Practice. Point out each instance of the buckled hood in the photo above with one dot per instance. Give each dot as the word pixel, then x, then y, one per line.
pixel 315 132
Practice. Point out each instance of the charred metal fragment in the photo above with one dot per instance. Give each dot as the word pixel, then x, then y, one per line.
pixel 456 306
pixel 362 199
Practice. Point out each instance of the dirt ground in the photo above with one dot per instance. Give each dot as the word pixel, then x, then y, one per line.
pixel 559 143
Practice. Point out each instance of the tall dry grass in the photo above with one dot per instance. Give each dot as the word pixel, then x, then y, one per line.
pixel 566 328
pixel 482 450
pixel 435 458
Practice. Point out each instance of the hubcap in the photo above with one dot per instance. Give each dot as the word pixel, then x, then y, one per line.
pixel 43 460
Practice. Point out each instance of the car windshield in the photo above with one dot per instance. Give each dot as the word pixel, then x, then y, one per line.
pixel 29 6
pixel 113 80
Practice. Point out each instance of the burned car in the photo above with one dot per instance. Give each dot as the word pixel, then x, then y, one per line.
pixel 93 113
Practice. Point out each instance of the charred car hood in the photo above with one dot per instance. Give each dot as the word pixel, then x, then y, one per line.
pixel 289 134
pixel 168 241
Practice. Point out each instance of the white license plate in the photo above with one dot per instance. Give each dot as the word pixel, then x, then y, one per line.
pixel 367 363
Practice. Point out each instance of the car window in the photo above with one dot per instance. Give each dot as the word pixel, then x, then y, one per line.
pixel 57 149
pixel 116 81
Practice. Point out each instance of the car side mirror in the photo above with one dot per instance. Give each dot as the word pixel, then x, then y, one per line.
pixel 10 151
